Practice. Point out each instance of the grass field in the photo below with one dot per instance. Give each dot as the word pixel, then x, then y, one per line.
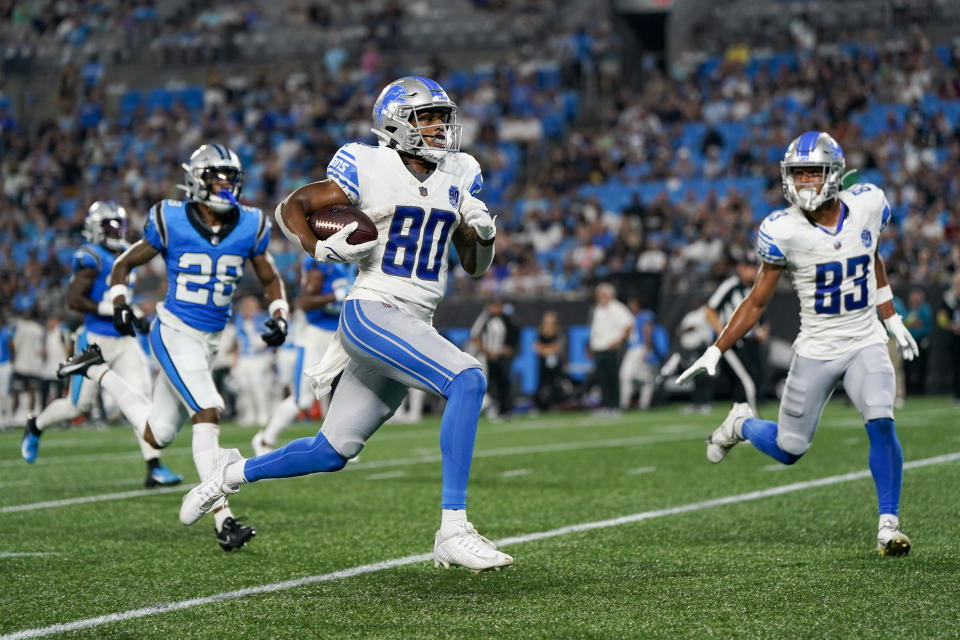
pixel 742 549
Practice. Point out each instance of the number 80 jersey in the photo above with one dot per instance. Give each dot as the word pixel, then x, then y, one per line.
pixel 414 219
pixel 832 271
pixel 203 266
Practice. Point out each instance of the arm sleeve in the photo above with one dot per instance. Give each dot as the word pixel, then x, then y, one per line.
pixel 155 231
pixel 343 170
pixel 767 245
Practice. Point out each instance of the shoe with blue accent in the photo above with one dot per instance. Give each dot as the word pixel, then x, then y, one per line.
pixel 79 363
pixel 233 535
pixel 162 476
pixel 30 442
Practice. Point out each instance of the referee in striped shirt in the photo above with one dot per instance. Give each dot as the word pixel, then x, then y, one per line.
pixel 746 358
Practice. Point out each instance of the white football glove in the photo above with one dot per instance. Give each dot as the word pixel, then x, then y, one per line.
pixel 707 362
pixel 337 249
pixel 908 346
pixel 475 214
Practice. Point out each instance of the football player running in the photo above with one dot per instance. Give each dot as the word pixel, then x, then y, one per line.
pixel 419 190
pixel 204 242
pixel 827 239
pixel 323 286
pixel 104 230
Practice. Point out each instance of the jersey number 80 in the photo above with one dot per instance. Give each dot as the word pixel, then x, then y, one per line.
pixel 419 241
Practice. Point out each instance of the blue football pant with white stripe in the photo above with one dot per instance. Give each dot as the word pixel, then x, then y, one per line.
pixel 390 350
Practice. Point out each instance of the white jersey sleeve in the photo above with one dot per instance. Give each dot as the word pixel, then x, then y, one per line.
pixel 768 245
pixel 343 170
pixel 869 200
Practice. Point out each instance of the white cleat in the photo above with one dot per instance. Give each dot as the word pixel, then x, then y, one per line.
pixel 890 540
pixel 203 497
pixel 260 446
pixel 728 433
pixel 467 548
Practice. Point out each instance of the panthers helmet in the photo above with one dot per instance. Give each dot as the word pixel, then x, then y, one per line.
pixel 106 225
pixel 399 102
pixel 210 162
pixel 813 149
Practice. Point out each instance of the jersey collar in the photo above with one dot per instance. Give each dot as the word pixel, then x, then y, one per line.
pixel 213 237
pixel 843 217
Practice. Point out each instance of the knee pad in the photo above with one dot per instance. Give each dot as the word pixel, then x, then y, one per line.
pixel 469 382
pixel 792 444
pixel 163 433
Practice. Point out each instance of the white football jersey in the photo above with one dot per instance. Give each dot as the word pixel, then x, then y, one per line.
pixel 414 219
pixel 832 271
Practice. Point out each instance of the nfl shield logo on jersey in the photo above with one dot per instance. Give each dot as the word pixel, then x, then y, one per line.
pixel 423 191
pixel 837 245
pixel 867 238
pixel 454 197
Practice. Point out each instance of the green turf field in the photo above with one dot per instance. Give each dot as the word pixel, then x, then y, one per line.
pixel 798 561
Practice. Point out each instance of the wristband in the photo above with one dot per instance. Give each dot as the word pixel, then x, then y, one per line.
pixel 281 305
pixel 119 290
pixel 884 294
pixel 105 308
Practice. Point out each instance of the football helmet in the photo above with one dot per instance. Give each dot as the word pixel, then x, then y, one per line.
pixel 208 163
pixel 402 101
pixel 106 225
pixel 817 150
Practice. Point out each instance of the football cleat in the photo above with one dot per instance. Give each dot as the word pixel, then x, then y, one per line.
pixel 203 497
pixel 890 540
pixel 80 362
pixel 467 548
pixel 162 476
pixel 30 442
pixel 260 447
pixel 728 433
pixel 233 535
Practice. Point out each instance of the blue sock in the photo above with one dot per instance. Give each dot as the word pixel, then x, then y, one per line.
pixel 886 463
pixel 297 458
pixel 763 435
pixel 458 431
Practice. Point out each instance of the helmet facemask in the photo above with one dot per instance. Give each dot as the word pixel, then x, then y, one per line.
pixel 208 166
pixel 823 155
pixel 398 115
pixel 106 225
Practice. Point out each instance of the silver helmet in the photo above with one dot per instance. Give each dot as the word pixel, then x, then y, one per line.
pixel 213 162
pixel 817 150
pixel 396 117
pixel 106 225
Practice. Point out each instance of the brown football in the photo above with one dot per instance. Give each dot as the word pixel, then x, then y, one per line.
pixel 327 221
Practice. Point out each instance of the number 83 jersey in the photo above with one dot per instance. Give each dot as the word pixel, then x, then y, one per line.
pixel 832 271
pixel 203 265
pixel 414 219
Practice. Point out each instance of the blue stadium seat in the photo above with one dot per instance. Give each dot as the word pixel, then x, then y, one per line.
pixel 579 364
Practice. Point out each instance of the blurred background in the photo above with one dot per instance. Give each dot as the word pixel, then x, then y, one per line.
pixel 628 142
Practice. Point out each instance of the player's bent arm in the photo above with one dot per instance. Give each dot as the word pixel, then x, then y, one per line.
pixel 884 306
pixel 310 293
pixel 140 252
pixel 78 291
pixel 269 276
pixel 751 309
pixel 475 255
pixel 293 211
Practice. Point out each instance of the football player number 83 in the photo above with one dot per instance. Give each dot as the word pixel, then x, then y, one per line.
pixel 829 279
pixel 192 285
pixel 418 241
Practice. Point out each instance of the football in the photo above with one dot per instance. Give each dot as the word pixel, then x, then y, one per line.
pixel 327 221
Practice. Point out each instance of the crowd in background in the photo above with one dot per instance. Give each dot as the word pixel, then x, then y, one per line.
pixel 591 177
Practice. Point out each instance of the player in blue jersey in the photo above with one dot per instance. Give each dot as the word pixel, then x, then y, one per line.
pixel 323 286
pixel 105 232
pixel 420 192
pixel 6 370
pixel 205 242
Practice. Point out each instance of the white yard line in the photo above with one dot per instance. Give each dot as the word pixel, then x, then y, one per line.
pixel 92 457
pixel 389 475
pixel 286 585
pixel 26 554
pixel 640 470
pixel 515 473
pixel 376 464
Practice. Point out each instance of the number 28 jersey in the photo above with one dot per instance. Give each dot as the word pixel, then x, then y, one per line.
pixel 414 219
pixel 832 271
pixel 203 266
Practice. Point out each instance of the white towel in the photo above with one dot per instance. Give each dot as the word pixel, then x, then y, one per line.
pixel 321 375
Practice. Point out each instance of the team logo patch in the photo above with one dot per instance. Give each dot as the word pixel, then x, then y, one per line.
pixel 867 238
pixel 837 245
pixel 423 191
pixel 454 197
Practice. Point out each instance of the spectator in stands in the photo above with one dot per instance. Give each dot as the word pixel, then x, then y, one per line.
pixel 610 327
pixel 496 337
pixel 948 318
pixel 550 347
pixel 919 321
